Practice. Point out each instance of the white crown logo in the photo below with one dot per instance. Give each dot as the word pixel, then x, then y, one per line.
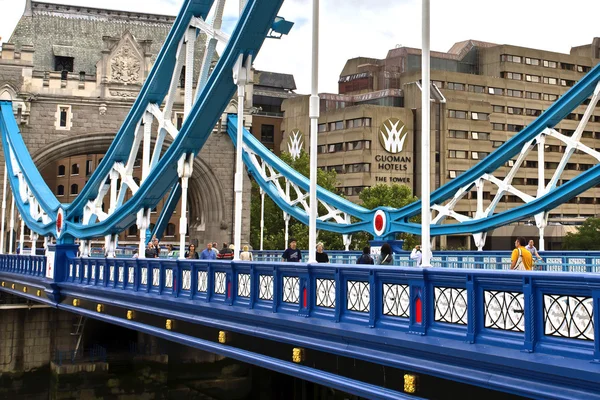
pixel 391 138
pixel 295 144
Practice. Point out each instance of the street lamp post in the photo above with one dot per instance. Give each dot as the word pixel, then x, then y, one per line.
pixel 314 119
pixel 425 140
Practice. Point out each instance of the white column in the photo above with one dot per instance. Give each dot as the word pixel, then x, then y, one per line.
pixel 147 121
pixel 262 218
pixel 34 238
pixel 286 216
pixel 3 210
pixel 240 77
pixel 314 120
pixel 184 169
pixel 541 222
pixel 188 98
pixel 143 222
pixel 480 238
pixel 11 224
pixel 425 141
pixel 22 236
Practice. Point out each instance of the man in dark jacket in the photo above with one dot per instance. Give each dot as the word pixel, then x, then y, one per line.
pixel 366 258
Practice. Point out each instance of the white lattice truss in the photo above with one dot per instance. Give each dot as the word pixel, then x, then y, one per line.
pixel 296 196
pixel 162 116
pixel 505 186
pixel 36 211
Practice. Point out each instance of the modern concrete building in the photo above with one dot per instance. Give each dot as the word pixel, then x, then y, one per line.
pixel 482 94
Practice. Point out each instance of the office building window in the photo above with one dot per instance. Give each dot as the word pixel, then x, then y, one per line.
pixel 512 75
pixel 358 145
pixel 457 134
pixel 89 167
pixel 479 155
pixel 60 190
pixel 322 128
pixel 498 109
pixel 354 168
pixel 549 64
pixel 533 112
pixel 476 89
pixel 480 136
pixel 322 149
pixel 532 61
pixel 533 95
pixel 510 58
pixel 514 93
pixel 455 86
pixel 567 82
pixel 514 128
pixel 336 126
pixel 132 231
pixel 583 68
pixel 438 84
pixel 75 169
pixel 267 134
pixel 336 147
pixel 497 143
pixel 352 190
pixel 61 170
pixel 550 97
pixel 457 154
pixel 178 120
pixel 550 81
pixel 497 126
pixel 358 123
pixel 479 116
pixel 496 91
pixel 337 168
pixel 533 78
pixel 74 189
pixel 170 230
pixel 457 114
pixel 514 110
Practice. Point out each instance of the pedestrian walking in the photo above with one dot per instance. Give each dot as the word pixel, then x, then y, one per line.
pixel 534 254
pixel 292 254
pixel 246 255
pixel 521 259
pixel 385 257
pixel 321 256
pixel 366 258
pixel 207 253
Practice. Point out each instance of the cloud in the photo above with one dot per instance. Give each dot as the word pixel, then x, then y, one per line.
pixel 352 28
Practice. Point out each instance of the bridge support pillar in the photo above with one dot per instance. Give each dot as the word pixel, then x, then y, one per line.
pixel 57 260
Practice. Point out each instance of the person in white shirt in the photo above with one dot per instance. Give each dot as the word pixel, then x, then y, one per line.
pixel 417 255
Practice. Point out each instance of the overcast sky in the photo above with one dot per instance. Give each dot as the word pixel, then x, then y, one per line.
pixel 351 28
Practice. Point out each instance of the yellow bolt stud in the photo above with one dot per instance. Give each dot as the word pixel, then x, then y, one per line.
pixel 297 355
pixel 24 289
pixel 169 324
pixel 130 314
pixel 222 337
pixel 39 293
pixel 3 284
pixel 76 303
pixel 12 286
pixel 410 383
pixel 100 308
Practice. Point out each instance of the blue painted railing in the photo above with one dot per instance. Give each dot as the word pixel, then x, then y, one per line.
pixel 24 265
pixel 546 312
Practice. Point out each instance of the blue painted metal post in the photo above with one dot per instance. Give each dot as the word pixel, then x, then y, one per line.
pixel 418 305
pixel 472 309
pixel 306 294
pixel 596 304
pixel 57 266
pixel 374 294
pixel 530 315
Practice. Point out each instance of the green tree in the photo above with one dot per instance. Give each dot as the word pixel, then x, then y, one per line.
pixel 395 196
pixel 586 238
pixel 274 229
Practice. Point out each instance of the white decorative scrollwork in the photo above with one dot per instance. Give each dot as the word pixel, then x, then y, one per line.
pixel 396 300
pixel 187 279
pixel 85 272
pixel 569 316
pixel 111 273
pixel 155 276
pixel 144 280
pixel 220 278
pixel 325 293
pixel 121 274
pixel 265 284
pixel 168 278
pixel 202 281
pixel 451 305
pixel 295 144
pixel 243 285
pixel 70 270
pixel 131 275
pixel 358 296
pixel 291 289
pixel 504 310
pixel 93 272
pixel 101 272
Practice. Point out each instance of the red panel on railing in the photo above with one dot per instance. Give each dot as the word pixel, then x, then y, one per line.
pixel 304 301
pixel 418 311
pixel 229 290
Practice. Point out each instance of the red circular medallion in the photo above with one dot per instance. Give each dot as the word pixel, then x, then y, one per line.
pixel 59 222
pixel 379 222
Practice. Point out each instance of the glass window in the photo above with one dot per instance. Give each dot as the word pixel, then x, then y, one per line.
pixel 533 95
pixel 497 143
pixel 452 174
pixel 550 97
pixel 438 84
pixel 480 136
pixel 510 58
pixel 267 134
pixel 457 154
pixel 498 109
pixel 476 89
pixel 513 75
pixel 64 116
pixel 533 78
pixel 339 125
pixel 132 231
pixel 457 134
pixel 514 93
pixel 514 110
pixel 63 63
pixel 550 81
pixel 457 114
pixel 322 128
pixel 322 149
pixel 334 148
pixel 60 190
pixel 549 64
pixel 532 61
pixel 178 120
pixel 496 91
pixel 514 128
pixel 170 230
pixel 480 116
pixel 583 68
pixel 89 167
pixel 497 126
pixel 74 189
pixel 456 86
pixel 75 169
pixel 533 112
pixel 61 170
